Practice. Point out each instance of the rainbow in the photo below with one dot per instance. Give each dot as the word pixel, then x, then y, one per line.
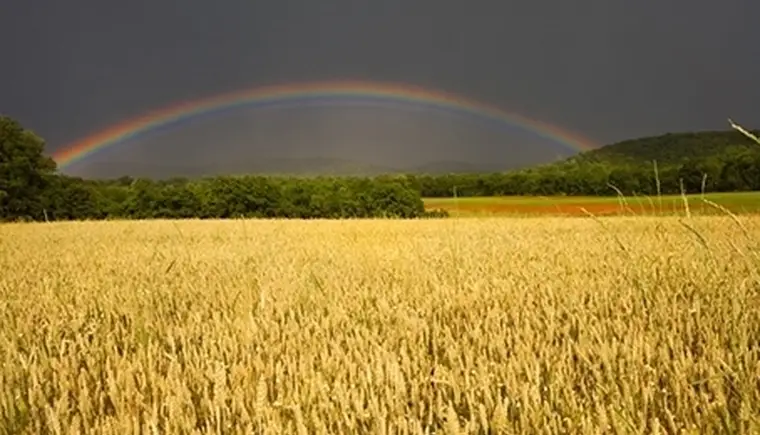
pixel 308 93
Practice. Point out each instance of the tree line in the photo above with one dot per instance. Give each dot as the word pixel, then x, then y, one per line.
pixel 731 171
pixel 232 197
pixel 32 189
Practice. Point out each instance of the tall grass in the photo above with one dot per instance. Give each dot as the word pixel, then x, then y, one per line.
pixel 639 325
pixel 744 131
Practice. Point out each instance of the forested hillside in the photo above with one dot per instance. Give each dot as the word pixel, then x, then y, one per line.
pixel 713 161
pixel 671 148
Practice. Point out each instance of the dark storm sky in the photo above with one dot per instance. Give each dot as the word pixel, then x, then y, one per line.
pixel 608 69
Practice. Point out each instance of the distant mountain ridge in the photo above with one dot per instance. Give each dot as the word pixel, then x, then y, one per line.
pixel 666 149
pixel 288 167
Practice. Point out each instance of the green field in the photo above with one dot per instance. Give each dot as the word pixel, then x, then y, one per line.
pixel 739 202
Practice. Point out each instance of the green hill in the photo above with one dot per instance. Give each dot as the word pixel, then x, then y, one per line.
pixel 670 148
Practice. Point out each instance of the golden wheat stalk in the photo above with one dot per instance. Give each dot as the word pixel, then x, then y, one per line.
pixel 743 131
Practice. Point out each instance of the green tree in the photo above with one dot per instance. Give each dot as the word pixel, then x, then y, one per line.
pixel 24 172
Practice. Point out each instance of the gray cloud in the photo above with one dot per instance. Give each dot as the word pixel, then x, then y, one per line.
pixel 609 69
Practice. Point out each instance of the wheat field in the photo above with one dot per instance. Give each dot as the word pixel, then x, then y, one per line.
pixel 547 325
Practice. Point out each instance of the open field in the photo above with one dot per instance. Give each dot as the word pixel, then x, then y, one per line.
pixel 740 202
pixel 546 325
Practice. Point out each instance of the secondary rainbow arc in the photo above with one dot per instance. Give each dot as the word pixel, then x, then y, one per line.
pixel 321 93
